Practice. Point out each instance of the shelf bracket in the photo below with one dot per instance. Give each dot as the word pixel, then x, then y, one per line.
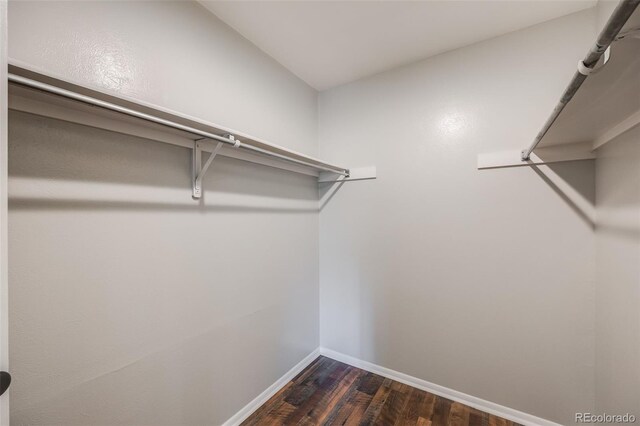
pixel 357 173
pixel 198 169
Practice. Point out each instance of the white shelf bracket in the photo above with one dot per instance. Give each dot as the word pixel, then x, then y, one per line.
pixel 198 169
pixel 356 173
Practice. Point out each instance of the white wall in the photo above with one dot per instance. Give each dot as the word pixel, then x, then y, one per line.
pixel 130 303
pixel 618 267
pixel 618 276
pixel 604 9
pixel 182 58
pixel 480 281
pixel 4 274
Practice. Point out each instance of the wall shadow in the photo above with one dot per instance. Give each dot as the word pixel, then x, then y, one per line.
pixel 51 151
pixel 90 205
pixel 574 183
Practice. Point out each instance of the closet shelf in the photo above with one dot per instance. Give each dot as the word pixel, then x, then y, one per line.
pixel 608 102
pixel 37 93
pixel 601 102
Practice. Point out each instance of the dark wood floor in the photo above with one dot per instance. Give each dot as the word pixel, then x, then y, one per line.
pixel 329 392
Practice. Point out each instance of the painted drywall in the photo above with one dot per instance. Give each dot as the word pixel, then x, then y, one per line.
pixel 618 276
pixel 182 58
pixel 481 281
pixel 4 297
pixel 131 303
pixel 385 34
pixel 604 9
pixel 618 266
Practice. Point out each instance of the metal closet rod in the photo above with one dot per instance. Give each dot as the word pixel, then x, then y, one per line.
pixel 148 117
pixel 618 18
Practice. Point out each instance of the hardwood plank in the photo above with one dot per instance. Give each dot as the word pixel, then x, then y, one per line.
pixel 459 415
pixel 441 412
pixel 329 392
pixel 411 412
pixel 356 401
pixel 352 413
pixel 393 406
pixel 423 422
pixel 428 406
pixel 360 404
pixel 370 383
pixel 307 421
pixel 278 415
pixel 478 418
pixel 353 404
pixel 400 387
pixel 321 413
pixel 323 392
pixel 310 384
pixel 496 421
pixel 377 402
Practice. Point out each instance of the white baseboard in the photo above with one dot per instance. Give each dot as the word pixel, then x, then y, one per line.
pixel 248 409
pixel 481 404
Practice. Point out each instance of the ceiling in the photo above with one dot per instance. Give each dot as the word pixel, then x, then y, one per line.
pixel 328 43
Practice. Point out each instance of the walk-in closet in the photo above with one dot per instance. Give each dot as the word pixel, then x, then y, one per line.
pixel 319 212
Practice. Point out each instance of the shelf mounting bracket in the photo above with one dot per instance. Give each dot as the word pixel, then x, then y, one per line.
pixel 199 169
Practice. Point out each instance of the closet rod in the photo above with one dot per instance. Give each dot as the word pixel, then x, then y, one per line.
pixel 616 21
pixel 148 117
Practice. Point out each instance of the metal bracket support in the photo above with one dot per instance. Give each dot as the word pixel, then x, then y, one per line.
pixel 198 169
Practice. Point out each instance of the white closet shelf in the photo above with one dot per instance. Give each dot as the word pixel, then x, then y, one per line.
pixel 606 105
pixel 38 93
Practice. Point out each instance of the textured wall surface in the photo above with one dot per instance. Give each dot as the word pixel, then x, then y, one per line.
pixel 478 280
pixel 618 276
pixel 618 266
pixel 4 273
pixel 182 58
pixel 130 302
